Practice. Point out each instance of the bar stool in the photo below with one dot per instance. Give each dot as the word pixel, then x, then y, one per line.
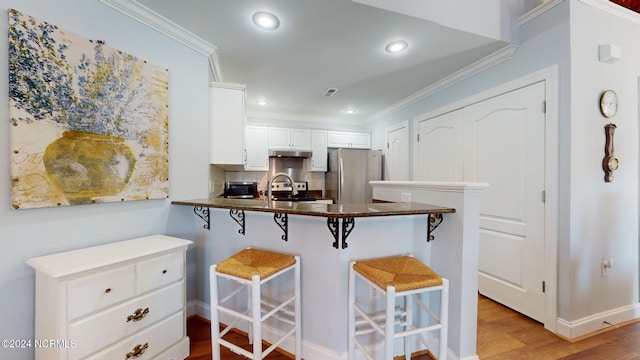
pixel 252 268
pixel 402 277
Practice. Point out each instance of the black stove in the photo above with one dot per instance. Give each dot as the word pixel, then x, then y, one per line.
pixel 283 191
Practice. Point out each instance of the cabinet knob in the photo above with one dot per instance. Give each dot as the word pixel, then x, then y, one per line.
pixel 164 271
pixel 137 351
pixel 107 290
pixel 138 315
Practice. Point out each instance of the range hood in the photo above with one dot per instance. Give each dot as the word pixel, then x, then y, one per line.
pixel 290 153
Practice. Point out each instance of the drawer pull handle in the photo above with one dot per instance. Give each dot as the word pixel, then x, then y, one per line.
pixel 138 315
pixel 137 351
pixel 107 290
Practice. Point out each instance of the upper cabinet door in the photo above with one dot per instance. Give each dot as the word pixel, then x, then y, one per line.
pixel 286 138
pixel 319 150
pixel 361 140
pixel 257 153
pixel 301 139
pixel 279 138
pixel 226 124
pixel 349 139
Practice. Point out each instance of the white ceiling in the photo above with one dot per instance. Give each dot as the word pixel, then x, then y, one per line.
pixel 339 44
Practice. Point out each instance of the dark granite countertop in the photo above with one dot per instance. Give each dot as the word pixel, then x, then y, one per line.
pixel 323 210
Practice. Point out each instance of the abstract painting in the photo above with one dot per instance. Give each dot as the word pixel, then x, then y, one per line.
pixel 88 123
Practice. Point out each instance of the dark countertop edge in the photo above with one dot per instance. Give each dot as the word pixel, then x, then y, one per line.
pixel 423 210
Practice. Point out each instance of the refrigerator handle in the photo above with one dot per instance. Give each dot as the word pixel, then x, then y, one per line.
pixel 340 179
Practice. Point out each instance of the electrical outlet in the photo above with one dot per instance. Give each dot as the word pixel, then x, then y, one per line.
pixel 405 197
pixel 607 264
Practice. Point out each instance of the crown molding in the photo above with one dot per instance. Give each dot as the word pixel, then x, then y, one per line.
pixel 487 62
pixel 537 11
pixel 152 19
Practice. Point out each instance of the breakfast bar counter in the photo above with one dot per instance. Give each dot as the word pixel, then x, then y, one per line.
pixel 340 218
pixel 442 233
pixel 319 209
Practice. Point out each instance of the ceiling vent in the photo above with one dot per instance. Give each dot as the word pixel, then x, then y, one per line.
pixel 330 92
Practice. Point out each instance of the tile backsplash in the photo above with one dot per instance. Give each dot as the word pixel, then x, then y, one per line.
pixel 219 176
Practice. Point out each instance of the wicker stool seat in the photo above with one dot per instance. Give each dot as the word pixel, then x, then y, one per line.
pixel 402 277
pixel 251 268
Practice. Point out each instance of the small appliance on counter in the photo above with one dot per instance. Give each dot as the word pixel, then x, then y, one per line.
pixel 241 190
pixel 283 191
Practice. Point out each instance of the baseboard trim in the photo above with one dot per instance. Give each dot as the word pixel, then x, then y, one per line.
pixel 597 323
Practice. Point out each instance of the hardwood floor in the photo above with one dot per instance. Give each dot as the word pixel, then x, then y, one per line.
pixel 503 334
pixel 199 332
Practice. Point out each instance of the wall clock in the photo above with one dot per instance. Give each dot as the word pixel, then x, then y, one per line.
pixel 608 103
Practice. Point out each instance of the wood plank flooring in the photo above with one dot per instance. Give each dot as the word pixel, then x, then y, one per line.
pixel 503 334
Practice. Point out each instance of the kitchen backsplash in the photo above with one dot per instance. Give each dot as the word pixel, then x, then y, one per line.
pixel 219 176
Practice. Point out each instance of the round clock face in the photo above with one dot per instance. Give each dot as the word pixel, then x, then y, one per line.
pixel 613 163
pixel 609 103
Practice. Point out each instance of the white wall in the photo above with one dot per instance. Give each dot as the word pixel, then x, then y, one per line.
pixel 595 218
pixel 28 233
pixel 604 216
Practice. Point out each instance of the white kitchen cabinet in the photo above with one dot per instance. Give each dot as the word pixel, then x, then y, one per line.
pixel 226 124
pixel 286 138
pixel 349 139
pixel 318 161
pixel 120 300
pixel 257 148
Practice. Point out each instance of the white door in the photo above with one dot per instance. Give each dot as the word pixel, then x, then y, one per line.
pixel 439 144
pixel 397 155
pixel 504 145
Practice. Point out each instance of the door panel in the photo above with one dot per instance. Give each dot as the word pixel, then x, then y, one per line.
pixel 500 141
pixel 439 143
pixel 397 156
pixel 504 146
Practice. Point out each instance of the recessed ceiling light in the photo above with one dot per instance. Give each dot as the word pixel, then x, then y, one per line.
pixel 350 111
pixel 396 46
pixel 266 20
pixel 262 102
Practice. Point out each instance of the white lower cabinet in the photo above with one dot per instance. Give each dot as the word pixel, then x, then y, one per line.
pixel 124 300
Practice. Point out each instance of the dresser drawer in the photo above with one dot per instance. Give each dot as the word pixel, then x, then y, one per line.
pixel 160 271
pixel 153 340
pixel 95 332
pixel 91 293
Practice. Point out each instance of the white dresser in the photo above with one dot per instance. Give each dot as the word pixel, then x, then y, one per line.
pixel 123 300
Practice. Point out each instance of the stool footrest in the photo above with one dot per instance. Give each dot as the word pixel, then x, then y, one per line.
pixel 415 331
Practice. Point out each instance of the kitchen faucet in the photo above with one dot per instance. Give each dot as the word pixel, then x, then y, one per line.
pixel 270 182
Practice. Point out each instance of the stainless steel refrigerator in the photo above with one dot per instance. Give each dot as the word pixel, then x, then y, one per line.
pixel 349 172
